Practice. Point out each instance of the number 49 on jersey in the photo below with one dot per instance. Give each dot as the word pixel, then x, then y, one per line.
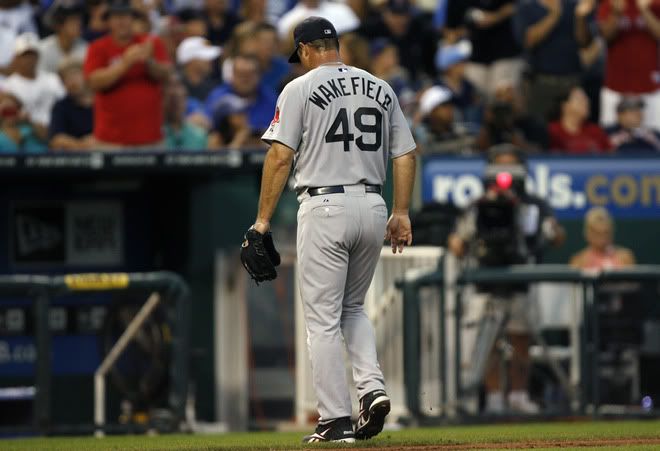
pixel 373 126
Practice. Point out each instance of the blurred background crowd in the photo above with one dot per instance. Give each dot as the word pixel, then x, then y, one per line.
pixel 571 76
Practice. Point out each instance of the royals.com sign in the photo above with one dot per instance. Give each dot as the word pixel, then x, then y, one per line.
pixel 627 187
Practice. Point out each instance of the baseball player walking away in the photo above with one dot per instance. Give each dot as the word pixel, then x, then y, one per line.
pixel 338 125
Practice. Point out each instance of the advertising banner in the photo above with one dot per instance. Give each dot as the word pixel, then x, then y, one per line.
pixel 627 187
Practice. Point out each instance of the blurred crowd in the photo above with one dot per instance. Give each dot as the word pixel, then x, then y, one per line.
pixel 570 76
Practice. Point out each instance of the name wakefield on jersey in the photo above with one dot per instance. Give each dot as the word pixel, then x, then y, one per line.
pixel 340 87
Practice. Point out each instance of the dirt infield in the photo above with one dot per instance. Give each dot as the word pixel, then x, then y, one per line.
pixel 530 444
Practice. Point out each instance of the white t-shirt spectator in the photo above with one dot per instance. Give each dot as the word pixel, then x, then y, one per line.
pixel 51 54
pixel 14 21
pixel 38 95
pixel 19 19
pixel 341 16
pixel 7 38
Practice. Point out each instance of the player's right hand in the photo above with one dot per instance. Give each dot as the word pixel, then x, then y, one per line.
pixel 398 231
pixel 456 245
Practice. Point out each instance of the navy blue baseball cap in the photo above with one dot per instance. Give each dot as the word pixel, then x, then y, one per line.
pixel 309 30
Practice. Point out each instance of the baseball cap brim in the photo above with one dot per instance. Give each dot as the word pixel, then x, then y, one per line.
pixel 434 97
pixel 294 58
pixel 24 50
pixel 309 30
pixel 26 42
pixel 208 53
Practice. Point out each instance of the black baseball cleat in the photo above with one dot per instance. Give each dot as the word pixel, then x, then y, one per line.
pixel 337 430
pixel 374 407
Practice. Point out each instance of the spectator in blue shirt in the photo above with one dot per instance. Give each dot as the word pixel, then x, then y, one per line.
pixel 16 133
pixel 179 133
pixel 450 60
pixel 195 58
pixel 274 68
pixel 72 118
pixel 384 58
pixel 231 129
pixel 245 83
pixel 553 32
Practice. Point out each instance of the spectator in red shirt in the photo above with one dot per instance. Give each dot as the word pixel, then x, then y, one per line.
pixel 631 28
pixel 572 132
pixel 126 72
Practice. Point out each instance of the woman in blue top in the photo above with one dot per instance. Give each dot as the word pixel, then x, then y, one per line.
pixel 16 132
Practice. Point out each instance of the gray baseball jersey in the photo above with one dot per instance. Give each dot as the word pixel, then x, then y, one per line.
pixel 343 124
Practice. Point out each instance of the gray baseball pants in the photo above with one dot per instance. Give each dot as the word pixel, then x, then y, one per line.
pixel 339 241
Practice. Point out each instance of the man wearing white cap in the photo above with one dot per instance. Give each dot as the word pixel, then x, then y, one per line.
pixel 437 130
pixel 451 62
pixel 195 57
pixel 38 91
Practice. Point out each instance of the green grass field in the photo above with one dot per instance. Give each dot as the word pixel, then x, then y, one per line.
pixel 629 435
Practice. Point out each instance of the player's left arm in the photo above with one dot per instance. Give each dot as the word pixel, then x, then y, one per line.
pixel 273 179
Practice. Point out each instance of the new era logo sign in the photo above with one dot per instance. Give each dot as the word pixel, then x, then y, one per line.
pixel 327 31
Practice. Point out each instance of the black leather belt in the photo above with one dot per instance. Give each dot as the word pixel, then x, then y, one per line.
pixel 340 189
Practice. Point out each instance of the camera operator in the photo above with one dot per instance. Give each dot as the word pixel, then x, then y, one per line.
pixel 507 226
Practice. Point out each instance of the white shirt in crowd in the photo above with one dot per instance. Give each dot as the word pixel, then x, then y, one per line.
pixel 14 21
pixel 37 95
pixel 341 16
pixel 20 18
pixel 51 54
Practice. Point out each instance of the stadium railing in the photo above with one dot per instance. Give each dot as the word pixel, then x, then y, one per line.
pixel 588 393
pixel 168 286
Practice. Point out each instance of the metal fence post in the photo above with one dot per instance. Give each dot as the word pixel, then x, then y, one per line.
pixel 43 362
pixel 595 349
pixel 411 346
pixel 443 352
pixel 181 355
pixel 458 313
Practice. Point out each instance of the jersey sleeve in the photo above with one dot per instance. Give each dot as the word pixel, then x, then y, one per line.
pixel 401 138
pixel 286 126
